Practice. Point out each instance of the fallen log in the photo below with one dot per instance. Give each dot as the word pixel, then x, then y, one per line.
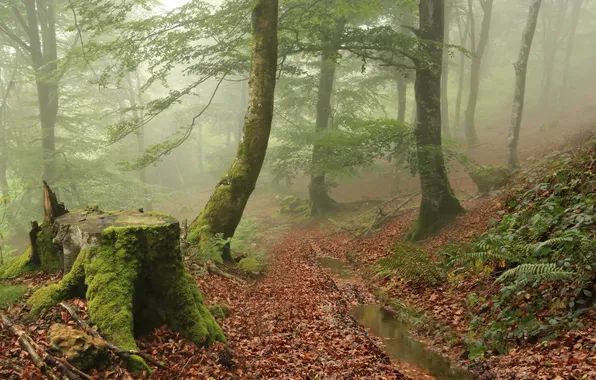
pixel 126 354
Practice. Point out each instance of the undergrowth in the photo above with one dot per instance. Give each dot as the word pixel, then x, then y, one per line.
pixel 541 254
pixel 9 294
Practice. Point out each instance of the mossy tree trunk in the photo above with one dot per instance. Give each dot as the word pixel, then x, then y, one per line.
pixel 477 53
pixel 439 204
pixel 226 205
pixel 521 67
pixel 318 194
pixel 129 267
pixel 445 72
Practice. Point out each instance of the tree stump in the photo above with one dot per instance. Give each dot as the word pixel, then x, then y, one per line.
pixel 129 266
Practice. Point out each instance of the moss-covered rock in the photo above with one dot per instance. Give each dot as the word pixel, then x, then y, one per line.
pixel 79 348
pixel 251 264
pixel 136 281
pixel 220 311
pixel 489 177
pixel 293 205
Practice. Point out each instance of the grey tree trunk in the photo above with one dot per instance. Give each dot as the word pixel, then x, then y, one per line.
pixel 402 92
pixel 439 204
pixel 577 5
pixel 319 199
pixel 200 163
pixel 223 211
pixel 243 103
pixel 463 37
pixel 7 89
pixel 553 24
pixel 445 73
pixel 477 53
pixel 521 67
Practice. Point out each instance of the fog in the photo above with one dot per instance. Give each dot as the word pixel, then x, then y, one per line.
pixel 125 139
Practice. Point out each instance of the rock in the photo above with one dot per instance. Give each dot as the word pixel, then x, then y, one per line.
pixel 489 177
pixel 293 205
pixel 80 349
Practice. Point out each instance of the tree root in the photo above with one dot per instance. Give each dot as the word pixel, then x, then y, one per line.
pixel 42 359
pixel 125 354
pixel 215 270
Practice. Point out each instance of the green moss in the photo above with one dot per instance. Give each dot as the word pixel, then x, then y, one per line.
pixel 251 264
pixel 293 205
pixel 160 214
pixel 489 177
pixel 70 286
pixel 220 311
pixel 92 208
pixel 134 270
pixel 432 218
pixel 18 266
pixel 9 294
pixel 49 254
pixel 136 364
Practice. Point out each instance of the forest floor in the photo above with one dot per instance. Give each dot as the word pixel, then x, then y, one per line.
pixel 296 320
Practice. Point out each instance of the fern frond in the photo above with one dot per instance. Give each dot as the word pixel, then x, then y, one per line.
pixel 484 256
pixel 538 272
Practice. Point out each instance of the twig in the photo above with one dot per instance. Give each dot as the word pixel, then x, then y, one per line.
pixel 15 367
pixel 31 348
pixel 118 351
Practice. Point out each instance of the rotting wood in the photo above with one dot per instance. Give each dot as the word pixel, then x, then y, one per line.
pixel 110 346
pixel 51 207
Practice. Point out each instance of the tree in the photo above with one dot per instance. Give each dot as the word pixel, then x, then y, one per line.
pixel 224 209
pixel 319 199
pixel 520 83
pixel 449 7
pixel 462 27
pixel 477 53
pixel 575 11
pixel 37 20
pixel 439 204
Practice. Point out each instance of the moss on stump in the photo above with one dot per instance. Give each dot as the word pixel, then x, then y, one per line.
pixel 132 269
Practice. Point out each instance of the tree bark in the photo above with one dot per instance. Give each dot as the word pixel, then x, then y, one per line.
pixel 200 163
pixel 402 92
pixel 577 5
pixel 477 53
pixel 6 93
pixel 521 67
pixel 439 204
pixel 226 205
pixel 319 199
pixel 463 37
pixel 445 73
pixel 553 23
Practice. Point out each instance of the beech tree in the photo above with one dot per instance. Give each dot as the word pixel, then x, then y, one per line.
pixel 439 204
pixel 226 205
pixel 521 67
pixel 477 50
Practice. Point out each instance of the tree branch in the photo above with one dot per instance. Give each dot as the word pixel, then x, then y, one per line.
pixel 4 29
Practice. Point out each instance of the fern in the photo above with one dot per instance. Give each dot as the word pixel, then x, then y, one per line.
pixel 485 256
pixel 538 272
pixel 413 264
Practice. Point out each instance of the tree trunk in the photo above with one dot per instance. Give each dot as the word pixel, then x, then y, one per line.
pixel 477 53
pixel 402 91
pixel 225 207
pixel 577 5
pixel 445 73
pixel 439 204
pixel 129 267
pixel 319 199
pixel 553 23
pixel 463 37
pixel 243 103
pixel 520 83
pixel 6 93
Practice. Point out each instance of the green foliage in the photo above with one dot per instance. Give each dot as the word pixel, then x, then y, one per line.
pixel 293 205
pixel 545 238
pixel 18 266
pixel 412 263
pixel 489 177
pixel 251 264
pixel 10 294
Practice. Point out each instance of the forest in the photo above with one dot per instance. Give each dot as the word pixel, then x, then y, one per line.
pixel 297 189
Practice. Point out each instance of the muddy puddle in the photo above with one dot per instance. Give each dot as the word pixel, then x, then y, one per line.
pixel 402 348
pixel 337 267
pixel 399 345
